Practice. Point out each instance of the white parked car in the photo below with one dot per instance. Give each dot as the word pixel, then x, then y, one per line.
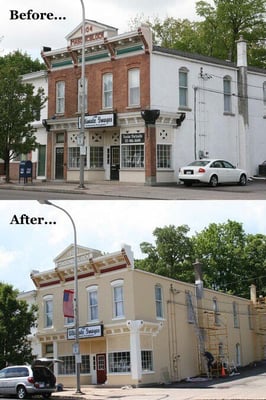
pixel 212 172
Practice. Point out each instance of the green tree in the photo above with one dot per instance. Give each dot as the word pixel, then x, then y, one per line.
pixel 16 320
pixel 19 107
pixel 172 254
pixel 221 249
pixel 255 254
pixel 227 20
pixel 218 30
pixel 22 62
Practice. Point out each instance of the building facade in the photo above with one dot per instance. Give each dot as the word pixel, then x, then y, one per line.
pixel 38 157
pixel 201 107
pixel 137 327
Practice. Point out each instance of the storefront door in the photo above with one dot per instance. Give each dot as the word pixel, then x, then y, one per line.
pixel 115 163
pixel 59 163
pixel 101 368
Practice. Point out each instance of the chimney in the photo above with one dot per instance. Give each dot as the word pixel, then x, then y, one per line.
pixel 242 52
pixel 198 279
pixel 253 294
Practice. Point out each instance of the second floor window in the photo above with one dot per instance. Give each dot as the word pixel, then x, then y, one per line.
pixel 108 90
pixel 60 97
pixel 235 315
pixel 227 95
pixel 80 95
pixel 93 303
pixel 183 87
pixel 48 312
pixel 118 299
pixel 134 87
pixel 159 301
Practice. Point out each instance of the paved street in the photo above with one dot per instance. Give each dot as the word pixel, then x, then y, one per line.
pixel 255 190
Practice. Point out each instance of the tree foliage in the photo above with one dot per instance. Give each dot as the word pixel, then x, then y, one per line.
pixel 172 254
pixel 19 107
pixel 215 35
pixel 16 320
pixel 232 260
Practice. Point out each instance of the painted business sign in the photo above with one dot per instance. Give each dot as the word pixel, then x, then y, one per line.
pixel 133 138
pixel 85 332
pixel 98 121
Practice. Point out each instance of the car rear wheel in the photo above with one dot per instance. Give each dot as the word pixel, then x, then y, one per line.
pixel 242 180
pixel 213 181
pixel 46 395
pixel 21 392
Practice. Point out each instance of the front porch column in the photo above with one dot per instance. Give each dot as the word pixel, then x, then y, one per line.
pixel 150 117
pixel 135 350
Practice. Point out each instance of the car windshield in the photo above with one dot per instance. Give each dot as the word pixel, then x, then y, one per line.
pixel 199 163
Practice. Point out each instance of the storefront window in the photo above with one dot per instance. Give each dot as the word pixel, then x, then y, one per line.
pixel 74 157
pixel 133 156
pixel 119 362
pixel 164 156
pixel 68 366
pixel 96 157
pixel 146 360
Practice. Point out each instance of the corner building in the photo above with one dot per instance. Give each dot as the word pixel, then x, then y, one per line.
pixel 149 110
pixel 140 328
pixel 116 67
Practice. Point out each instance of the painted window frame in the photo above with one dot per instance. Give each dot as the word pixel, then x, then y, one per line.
pixel 107 90
pixel 48 313
pixel 60 90
pixel 93 307
pixel 134 87
pixel 118 299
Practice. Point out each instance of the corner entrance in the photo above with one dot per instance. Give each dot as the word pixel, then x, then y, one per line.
pixel 115 163
pixel 101 368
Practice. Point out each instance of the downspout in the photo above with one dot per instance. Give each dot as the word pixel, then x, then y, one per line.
pixel 195 122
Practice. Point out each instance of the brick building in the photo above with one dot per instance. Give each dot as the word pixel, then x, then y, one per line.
pixel 149 110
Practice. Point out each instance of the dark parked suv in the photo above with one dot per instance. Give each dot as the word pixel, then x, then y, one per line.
pixel 23 380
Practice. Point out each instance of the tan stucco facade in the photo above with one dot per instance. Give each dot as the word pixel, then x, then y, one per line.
pixel 152 328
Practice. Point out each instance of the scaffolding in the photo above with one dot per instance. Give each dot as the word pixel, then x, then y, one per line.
pixel 216 340
pixel 260 307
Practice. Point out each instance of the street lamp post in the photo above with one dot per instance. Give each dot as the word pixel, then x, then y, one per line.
pixel 82 110
pixel 76 297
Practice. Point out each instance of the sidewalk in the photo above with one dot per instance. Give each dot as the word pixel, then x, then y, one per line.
pixel 248 385
pixel 103 188
pixel 140 191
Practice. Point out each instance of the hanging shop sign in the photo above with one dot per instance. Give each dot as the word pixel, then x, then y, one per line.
pixel 98 121
pixel 132 138
pixel 85 332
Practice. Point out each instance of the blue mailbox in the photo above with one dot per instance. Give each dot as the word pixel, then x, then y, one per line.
pixel 25 170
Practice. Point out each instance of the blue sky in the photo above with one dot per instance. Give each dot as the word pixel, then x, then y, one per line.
pixel 31 35
pixel 104 225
